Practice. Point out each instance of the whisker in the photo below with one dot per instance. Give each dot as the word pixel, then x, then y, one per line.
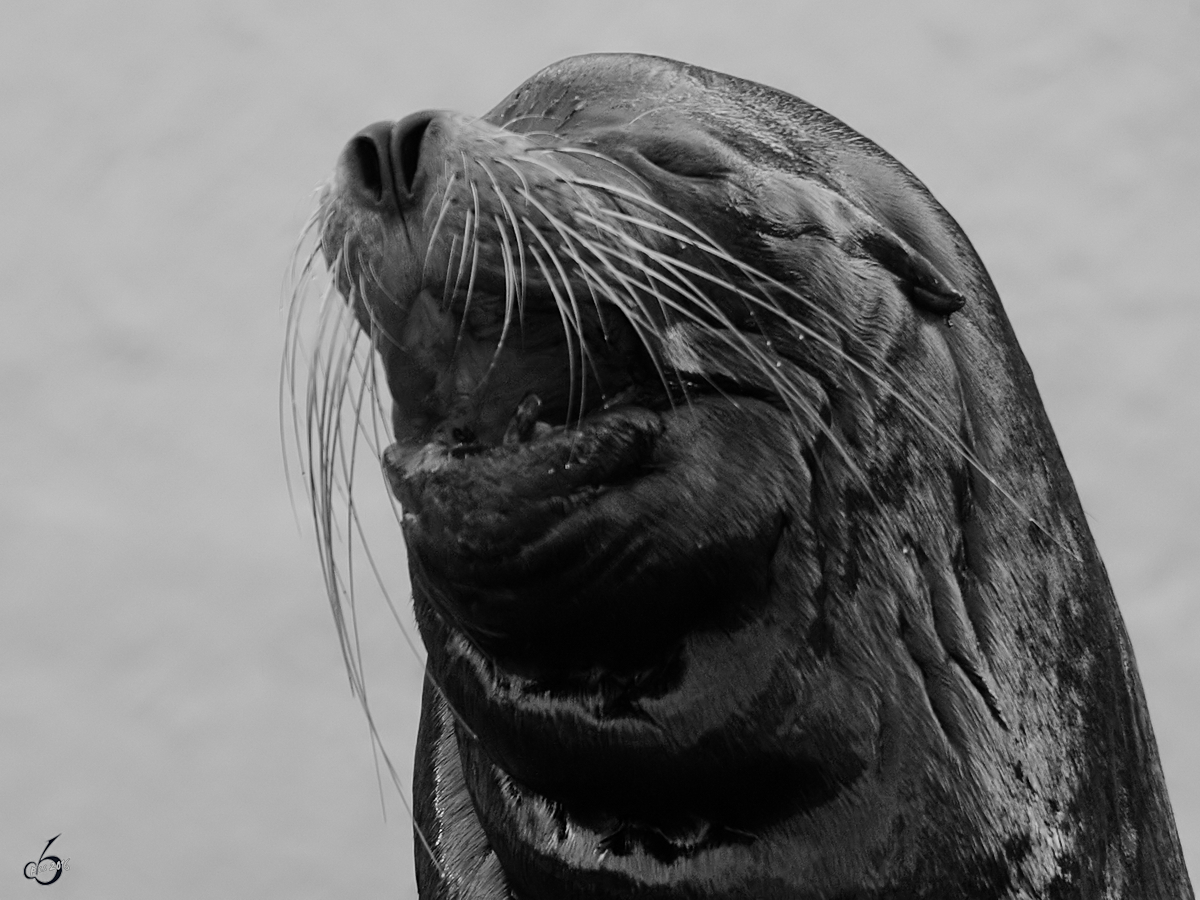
pixel 468 219
pixel 462 325
pixel 638 321
pixel 738 342
pixel 560 305
pixel 642 324
pixel 513 291
pixel 437 225
pixel 339 385
pixel 916 406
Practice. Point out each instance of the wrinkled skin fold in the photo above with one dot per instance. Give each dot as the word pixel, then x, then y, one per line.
pixel 744 554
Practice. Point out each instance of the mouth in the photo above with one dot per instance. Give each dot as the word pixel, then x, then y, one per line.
pixel 545 458
pixel 503 460
pixel 495 504
pixel 541 457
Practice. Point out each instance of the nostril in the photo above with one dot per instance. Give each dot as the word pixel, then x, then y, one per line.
pixel 370 167
pixel 381 163
pixel 364 165
pixel 407 143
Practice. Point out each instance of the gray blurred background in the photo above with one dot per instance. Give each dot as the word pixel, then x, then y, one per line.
pixel 172 698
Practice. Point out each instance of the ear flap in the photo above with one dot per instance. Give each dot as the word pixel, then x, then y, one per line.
pixel 859 233
pixel 926 286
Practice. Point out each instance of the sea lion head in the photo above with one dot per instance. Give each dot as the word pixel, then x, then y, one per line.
pixel 744 554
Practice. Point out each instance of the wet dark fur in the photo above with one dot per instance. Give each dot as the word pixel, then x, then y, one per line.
pixel 801 603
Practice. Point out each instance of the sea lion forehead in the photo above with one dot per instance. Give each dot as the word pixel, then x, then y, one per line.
pixel 615 86
pixel 622 89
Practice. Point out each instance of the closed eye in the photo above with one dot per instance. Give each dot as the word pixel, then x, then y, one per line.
pixel 689 159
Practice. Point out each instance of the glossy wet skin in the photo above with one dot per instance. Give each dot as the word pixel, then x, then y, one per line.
pixel 715 598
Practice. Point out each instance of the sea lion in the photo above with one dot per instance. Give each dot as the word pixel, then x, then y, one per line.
pixel 744 554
